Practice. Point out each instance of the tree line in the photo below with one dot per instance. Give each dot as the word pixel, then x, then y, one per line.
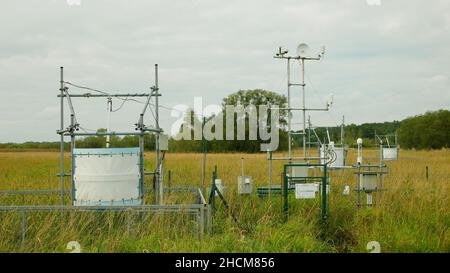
pixel 427 131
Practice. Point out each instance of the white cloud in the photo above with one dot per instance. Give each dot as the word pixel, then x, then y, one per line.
pixel 383 62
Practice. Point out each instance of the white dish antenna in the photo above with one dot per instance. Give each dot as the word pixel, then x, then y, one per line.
pixel 302 50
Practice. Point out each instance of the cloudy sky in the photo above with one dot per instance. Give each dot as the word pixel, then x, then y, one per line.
pixel 383 62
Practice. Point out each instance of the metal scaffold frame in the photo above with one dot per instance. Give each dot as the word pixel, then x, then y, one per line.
pixel 364 174
pixel 304 109
pixel 302 59
pixel 288 180
pixel 141 130
pixel 200 208
pixel 388 145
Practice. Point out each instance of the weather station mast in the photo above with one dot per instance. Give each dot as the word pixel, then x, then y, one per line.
pixel 303 52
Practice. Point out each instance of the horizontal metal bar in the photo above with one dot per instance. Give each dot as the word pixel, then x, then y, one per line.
pixel 304 165
pixel 340 167
pixel 310 109
pixel 138 133
pixel 301 109
pixel 297 158
pixel 19 192
pixel 304 177
pixel 296 58
pixel 370 166
pixel 66 174
pixel 14 192
pixel 90 95
pixel 370 191
pixel 371 172
pixel 146 129
pixel 192 207
pixel 177 189
pixel 150 173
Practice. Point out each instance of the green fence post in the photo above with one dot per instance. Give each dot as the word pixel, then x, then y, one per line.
pixel 324 194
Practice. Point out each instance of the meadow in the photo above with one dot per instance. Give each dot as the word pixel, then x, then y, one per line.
pixel 413 214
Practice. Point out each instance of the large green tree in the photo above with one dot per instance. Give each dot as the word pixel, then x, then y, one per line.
pixel 428 131
pixel 255 97
pixel 244 98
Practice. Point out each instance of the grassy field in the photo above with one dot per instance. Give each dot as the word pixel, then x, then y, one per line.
pixel 414 215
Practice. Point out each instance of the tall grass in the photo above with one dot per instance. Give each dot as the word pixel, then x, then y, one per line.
pixel 413 214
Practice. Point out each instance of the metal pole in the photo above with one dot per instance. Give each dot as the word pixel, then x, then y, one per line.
pixel 242 169
pixel 203 156
pixel 309 134
pixel 324 194
pixel 344 151
pixel 202 223
pixel 61 160
pixel 72 159
pixel 208 219
pixel 289 106
pixel 304 107
pixel 161 185
pixel 358 188
pixel 159 192
pixel 381 175
pixel 213 190
pixel 343 131
pixel 142 165
pixel 285 195
pixel 108 125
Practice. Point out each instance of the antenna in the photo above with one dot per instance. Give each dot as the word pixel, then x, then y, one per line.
pixel 302 50
pixel 330 101
pixel 322 52
pixel 281 52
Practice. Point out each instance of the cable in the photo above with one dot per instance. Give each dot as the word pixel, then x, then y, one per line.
pixel 120 107
pixel 320 98
pixel 86 130
pixel 86 88
pixel 123 99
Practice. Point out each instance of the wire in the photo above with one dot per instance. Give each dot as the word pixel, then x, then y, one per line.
pixel 123 99
pixel 316 92
pixel 87 130
pixel 86 88
pixel 150 109
pixel 120 107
